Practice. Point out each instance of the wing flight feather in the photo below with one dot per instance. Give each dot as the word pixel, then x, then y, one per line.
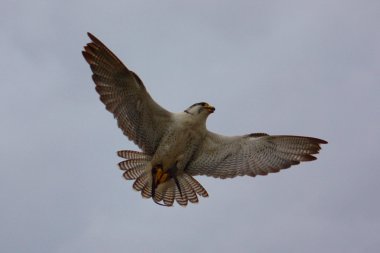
pixel 253 154
pixel 140 118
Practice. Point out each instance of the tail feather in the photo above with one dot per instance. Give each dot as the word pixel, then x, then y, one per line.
pixel 131 154
pixel 198 188
pixel 147 191
pixel 188 190
pixel 169 196
pixel 140 182
pixel 134 166
pixel 159 195
pixel 134 173
pixel 132 163
pixel 183 189
pixel 180 197
pixel 162 189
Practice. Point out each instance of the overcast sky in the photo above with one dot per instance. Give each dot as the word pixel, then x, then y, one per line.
pixel 282 67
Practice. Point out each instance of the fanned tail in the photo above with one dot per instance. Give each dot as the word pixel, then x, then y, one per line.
pixel 183 188
pixel 134 165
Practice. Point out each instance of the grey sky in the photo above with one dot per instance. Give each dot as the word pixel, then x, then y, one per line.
pixel 281 67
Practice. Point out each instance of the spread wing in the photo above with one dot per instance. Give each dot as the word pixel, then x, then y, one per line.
pixel 255 154
pixel 140 118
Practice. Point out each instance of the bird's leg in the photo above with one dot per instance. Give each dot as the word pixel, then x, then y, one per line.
pixel 173 173
pixel 154 173
pixel 159 176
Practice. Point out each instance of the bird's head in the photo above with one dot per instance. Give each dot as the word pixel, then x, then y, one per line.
pixel 200 109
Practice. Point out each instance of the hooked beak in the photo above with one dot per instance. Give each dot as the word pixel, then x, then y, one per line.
pixel 210 108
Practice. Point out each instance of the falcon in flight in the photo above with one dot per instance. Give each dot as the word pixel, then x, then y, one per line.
pixel 177 146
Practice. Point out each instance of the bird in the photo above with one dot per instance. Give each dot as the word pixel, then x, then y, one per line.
pixel 176 147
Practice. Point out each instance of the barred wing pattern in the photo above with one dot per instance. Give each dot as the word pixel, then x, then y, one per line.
pixel 253 154
pixel 141 119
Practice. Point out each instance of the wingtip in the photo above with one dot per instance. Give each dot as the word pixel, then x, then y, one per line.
pixel 94 38
pixel 90 35
pixel 87 57
pixel 308 158
pixel 319 141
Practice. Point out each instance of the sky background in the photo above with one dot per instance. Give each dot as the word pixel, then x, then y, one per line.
pixel 282 67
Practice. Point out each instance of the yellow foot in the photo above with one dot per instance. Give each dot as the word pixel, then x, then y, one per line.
pixel 159 175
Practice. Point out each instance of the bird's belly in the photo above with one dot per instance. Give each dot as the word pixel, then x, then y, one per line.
pixel 176 149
